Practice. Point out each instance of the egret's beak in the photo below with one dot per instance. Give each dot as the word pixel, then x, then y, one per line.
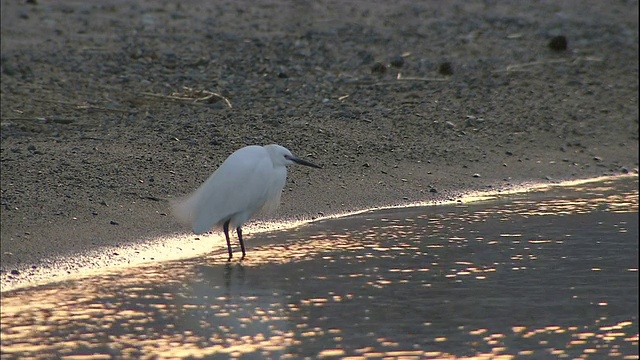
pixel 303 162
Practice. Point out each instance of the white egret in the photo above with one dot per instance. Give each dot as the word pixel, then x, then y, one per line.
pixel 248 181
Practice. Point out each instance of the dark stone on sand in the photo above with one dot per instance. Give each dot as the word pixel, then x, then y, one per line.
pixel 445 68
pixel 558 43
pixel 397 61
pixel 378 68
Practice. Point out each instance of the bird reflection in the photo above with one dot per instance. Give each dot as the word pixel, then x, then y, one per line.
pixel 229 275
pixel 230 270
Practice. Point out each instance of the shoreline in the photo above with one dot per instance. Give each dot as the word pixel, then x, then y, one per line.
pixel 173 247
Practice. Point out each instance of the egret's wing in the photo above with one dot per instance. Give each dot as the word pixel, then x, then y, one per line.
pixel 188 208
pixel 239 185
pixel 237 190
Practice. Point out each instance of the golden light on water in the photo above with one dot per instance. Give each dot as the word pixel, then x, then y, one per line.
pixel 423 284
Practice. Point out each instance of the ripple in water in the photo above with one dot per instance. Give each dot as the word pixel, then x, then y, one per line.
pixel 548 274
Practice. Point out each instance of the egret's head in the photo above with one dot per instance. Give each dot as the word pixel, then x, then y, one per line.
pixel 281 156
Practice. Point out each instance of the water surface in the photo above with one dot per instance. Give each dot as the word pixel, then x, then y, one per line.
pixel 548 274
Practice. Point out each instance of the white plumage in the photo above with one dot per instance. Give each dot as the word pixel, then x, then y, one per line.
pixel 249 181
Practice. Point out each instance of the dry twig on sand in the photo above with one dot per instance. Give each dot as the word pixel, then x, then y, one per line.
pixel 193 96
pixel 84 105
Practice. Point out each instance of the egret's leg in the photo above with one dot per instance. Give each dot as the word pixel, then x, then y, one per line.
pixel 225 228
pixel 239 230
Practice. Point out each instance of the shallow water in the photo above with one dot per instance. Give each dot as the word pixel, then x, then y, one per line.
pixel 540 275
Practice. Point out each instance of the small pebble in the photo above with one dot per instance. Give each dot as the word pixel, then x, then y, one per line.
pixel 476 175
pixel 15 272
pixel 113 222
pixel 397 61
pixel 445 68
pixel 378 68
pixel 558 43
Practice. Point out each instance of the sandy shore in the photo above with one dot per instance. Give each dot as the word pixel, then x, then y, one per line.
pixel 400 103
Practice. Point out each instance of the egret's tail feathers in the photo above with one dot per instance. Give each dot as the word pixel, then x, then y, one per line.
pixel 187 211
pixel 183 209
pixel 201 226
